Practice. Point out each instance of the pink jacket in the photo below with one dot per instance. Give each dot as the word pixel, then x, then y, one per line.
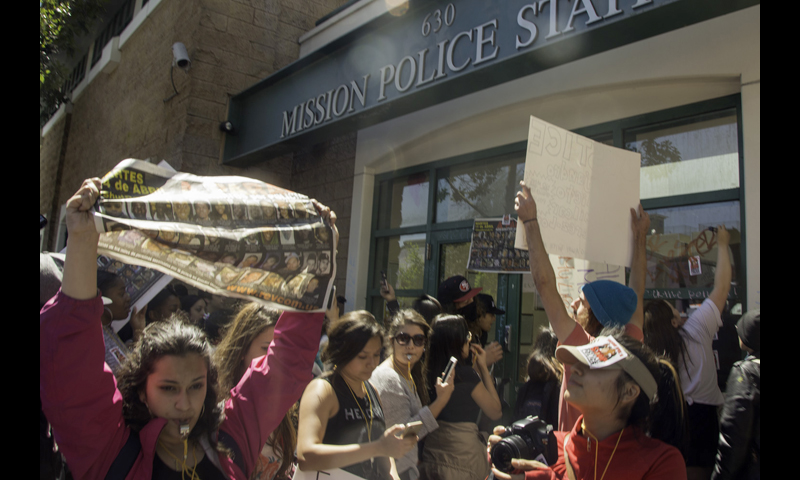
pixel 80 397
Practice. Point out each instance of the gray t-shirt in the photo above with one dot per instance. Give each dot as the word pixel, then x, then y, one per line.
pixel 401 404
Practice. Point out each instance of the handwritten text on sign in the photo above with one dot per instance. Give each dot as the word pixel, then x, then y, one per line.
pixel 584 191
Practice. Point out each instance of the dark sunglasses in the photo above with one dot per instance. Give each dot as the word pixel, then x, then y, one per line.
pixel 404 338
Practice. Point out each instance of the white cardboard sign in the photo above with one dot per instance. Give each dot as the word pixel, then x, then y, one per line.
pixel 584 191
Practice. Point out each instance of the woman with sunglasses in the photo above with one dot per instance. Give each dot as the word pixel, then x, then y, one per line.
pixel 401 382
pixel 456 451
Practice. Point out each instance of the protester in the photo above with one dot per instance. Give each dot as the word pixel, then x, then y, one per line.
pixel 486 313
pixel 631 422
pixel 695 357
pixel 457 297
pixel 538 396
pixel 401 383
pixel 163 305
pixel 739 450
pixel 341 424
pixel 167 386
pixel 456 450
pixel 250 336
pixel 112 288
pixel 195 308
pixel 610 303
pixel 51 462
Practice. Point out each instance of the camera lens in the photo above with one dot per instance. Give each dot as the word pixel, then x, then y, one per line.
pixel 510 447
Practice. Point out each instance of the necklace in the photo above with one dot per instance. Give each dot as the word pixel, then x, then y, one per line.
pixel 409 380
pixel 367 423
pixel 182 463
pixel 597 448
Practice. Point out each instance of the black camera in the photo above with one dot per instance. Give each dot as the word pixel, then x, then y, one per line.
pixel 527 439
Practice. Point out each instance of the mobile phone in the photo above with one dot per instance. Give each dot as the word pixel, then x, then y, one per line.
pixel 412 428
pixel 450 366
pixel 383 277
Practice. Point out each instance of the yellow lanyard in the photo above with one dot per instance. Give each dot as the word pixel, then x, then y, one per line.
pixel 369 424
pixel 182 463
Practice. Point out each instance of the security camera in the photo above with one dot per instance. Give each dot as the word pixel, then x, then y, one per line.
pixel 181 56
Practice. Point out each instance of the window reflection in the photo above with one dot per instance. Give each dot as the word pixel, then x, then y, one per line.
pixel 485 189
pixel 406 199
pixel 403 260
pixel 690 155
pixel 680 236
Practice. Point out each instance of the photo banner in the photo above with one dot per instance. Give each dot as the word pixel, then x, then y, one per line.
pixel 584 191
pixel 492 247
pixel 225 235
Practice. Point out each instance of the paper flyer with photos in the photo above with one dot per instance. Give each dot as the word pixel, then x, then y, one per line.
pixel 492 247
pixel 226 235
pixel 604 351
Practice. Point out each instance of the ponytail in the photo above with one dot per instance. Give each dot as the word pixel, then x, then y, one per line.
pixel 668 421
pixel 665 417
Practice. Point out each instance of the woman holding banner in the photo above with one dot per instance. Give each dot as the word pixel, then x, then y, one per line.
pixel 164 417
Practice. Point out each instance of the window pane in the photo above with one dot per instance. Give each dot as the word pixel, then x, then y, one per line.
pixel 691 155
pixel 479 189
pixel 403 260
pixel 681 233
pixel 404 201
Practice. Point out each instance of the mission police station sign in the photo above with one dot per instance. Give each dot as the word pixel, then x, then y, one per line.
pixel 435 52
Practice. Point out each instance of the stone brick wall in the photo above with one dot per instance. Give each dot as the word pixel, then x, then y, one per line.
pixel 325 172
pixel 232 44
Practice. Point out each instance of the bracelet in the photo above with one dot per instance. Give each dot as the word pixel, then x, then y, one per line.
pixel 529 220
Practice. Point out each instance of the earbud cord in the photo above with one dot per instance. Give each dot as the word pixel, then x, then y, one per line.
pixel 597 448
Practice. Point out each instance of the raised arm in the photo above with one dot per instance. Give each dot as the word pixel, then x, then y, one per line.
pixel 485 393
pixel 543 275
pixel 78 393
pixel 722 276
pixel 640 225
pixel 80 265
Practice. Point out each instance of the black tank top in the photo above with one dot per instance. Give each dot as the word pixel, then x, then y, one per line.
pixel 349 426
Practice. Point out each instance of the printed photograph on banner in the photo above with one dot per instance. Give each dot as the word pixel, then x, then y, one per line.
pixel 232 236
pixel 492 247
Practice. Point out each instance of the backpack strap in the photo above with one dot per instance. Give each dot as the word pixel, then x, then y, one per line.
pixel 229 442
pixel 125 458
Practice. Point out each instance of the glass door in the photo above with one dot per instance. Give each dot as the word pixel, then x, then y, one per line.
pixel 449 256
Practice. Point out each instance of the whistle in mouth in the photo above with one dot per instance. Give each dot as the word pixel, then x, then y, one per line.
pixel 184 430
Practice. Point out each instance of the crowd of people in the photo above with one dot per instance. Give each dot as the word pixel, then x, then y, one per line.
pixel 205 386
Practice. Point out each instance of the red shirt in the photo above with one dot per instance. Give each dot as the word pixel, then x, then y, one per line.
pixel 637 457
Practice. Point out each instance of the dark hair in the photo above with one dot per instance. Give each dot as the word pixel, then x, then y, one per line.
pixel 661 336
pixel 188 301
pixel 447 339
pixel 542 363
pixel 106 279
pixel 419 372
pixel 427 306
pixel 593 325
pixel 664 418
pixel 251 320
pixel 348 336
pixel 160 298
pixel 171 337
pixel 216 322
